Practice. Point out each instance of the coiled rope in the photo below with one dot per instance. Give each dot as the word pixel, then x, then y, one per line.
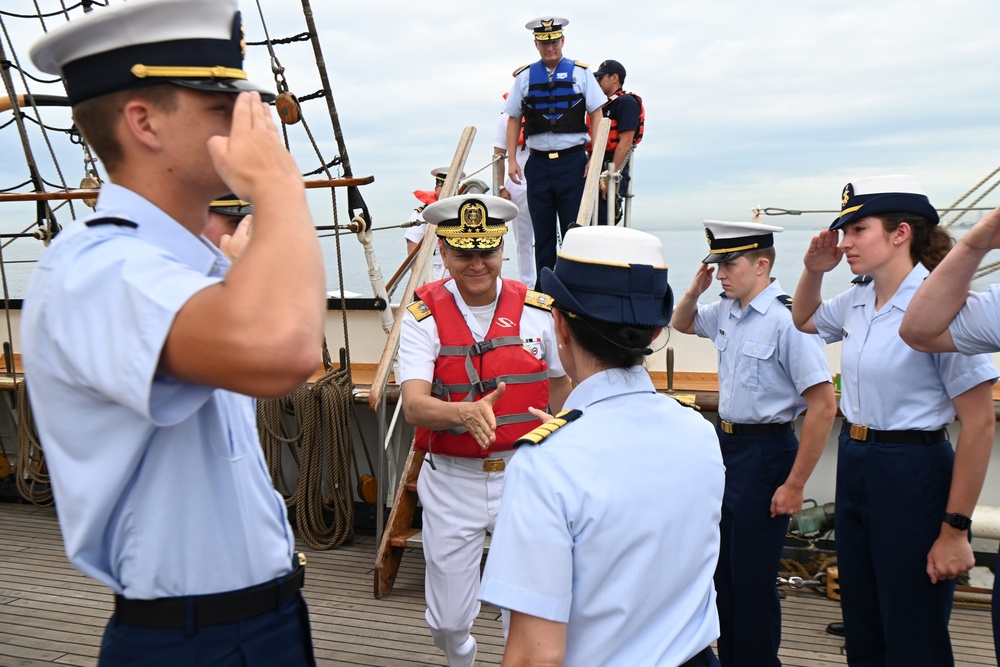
pixel 317 418
pixel 30 472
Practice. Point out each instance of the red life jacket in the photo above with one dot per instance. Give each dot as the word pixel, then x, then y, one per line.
pixel 499 358
pixel 613 140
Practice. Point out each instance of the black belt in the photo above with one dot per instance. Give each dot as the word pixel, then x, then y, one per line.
pixel 865 434
pixel 700 659
pixel 553 154
pixel 754 429
pixel 211 609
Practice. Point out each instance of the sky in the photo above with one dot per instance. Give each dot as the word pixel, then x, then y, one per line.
pixel 772 103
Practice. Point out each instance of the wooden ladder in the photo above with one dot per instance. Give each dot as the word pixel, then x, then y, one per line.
pixel 399 529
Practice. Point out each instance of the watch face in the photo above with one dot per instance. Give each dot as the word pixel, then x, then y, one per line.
pixel 958 521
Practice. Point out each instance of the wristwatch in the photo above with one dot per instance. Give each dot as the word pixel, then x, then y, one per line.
pixel 957 521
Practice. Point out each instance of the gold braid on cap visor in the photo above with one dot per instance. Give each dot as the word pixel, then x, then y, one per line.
pixel 218 72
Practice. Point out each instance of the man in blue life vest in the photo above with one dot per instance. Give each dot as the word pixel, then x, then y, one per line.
pixel 628 118
pixel 476 353
pixel 554 95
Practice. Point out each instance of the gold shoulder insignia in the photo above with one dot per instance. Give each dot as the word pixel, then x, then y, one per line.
pixel 538 300
pixel 785 300
pixel 580 63
pixel 420 209
pixel 548 428
pixel 863 279
pixel 521 69
pixel 419 310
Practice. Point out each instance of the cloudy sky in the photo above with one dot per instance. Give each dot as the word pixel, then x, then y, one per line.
pixel 773 103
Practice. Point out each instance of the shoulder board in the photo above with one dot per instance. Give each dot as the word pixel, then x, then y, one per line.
pixel 419 310
pixel 420 209
pixel 117 222
pixel 580 63
pixel 785 300
pixel 863 279
pixel 548 428
pixel 521 69
pixel 538 300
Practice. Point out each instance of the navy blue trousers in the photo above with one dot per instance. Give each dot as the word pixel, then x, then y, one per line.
pixel 282 637
pixel 555 189
pixel 751 545
pixel 890 503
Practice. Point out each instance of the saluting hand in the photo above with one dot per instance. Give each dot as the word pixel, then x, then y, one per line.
pixel 478 418
pixel 702 280
pixel 252 156
pixel 823 253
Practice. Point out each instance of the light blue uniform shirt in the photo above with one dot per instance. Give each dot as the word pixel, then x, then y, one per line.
pixel 161 485
pixel 885 383
pixel 612 526
pixel 976 328
pixel 583 82
pixel 765 363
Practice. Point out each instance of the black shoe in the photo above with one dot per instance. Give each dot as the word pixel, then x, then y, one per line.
pixel 836 629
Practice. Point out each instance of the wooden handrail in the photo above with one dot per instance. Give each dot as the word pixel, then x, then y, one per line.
pixel 88 193
pixel 591 186
pixel 424 255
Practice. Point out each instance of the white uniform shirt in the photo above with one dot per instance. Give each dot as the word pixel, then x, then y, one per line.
pixel 583 82
pixel 886 384
pixel 419 342
pixel 611 525
pixel 765 363
pixel 161 484
pixel 976 328
pixel 519 155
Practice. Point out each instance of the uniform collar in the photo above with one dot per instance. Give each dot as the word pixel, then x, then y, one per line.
pixel 901 299
pixel 761 302
pixel 608 384
pixel 157 227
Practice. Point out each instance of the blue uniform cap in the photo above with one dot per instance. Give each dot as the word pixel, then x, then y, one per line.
pixel 883 194
pixel 197 44
pixel 611 274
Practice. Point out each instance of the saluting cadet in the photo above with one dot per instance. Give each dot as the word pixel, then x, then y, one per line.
pixel 554 95
pixel 476 352
pixel 944 316
pixel 769 373
pixel 414 234
pixel 144 348
pixel 622 482
pixel 904 495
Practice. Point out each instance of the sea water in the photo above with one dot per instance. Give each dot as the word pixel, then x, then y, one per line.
pixel 683 249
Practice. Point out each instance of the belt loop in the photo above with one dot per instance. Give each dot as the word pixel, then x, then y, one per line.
pixel 190 622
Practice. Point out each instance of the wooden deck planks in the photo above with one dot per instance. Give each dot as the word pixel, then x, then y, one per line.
pixel 52 614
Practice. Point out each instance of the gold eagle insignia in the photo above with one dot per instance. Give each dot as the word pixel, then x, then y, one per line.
pixel 548 428
pixel 419 310
pixel 538 300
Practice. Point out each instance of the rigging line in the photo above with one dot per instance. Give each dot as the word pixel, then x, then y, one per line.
pixel 973 189
pixel 14 15
pixel 496 158
pixel 35 78
pixel 311 96
pixel 324 168
pixel 27 182
pixel 974 202
pixel 51 128
pixel 9 84
pixel 301 37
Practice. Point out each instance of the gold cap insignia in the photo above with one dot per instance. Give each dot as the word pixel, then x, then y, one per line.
pixel 473 215
pixel 848 193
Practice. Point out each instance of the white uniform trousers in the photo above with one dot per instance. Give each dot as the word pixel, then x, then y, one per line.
pixel 460 503
pixel 524 233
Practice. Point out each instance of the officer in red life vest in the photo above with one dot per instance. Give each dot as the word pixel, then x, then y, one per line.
pixel 627 120
pixel 477 354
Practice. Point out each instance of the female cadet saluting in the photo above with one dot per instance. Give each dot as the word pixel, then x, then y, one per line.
pixel 625 481
pixel 903 494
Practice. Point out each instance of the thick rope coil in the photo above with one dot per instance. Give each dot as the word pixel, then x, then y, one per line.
pixel 30 473
pixel 323 499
